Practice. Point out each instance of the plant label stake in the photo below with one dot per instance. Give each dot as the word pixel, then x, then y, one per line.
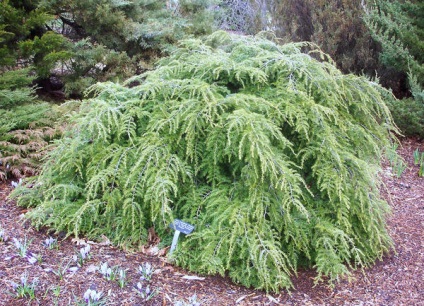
pixel 179 227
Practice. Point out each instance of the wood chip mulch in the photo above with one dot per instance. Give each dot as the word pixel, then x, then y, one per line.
pixel 396 280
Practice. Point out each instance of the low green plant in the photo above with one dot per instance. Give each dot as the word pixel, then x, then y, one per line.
pixel 419 161
pixel 92 298
pixel 417 156
pixel 122 278
pixel 55 290
pixel 2 234
pixel 146 270
pixel 396 162
pixel 391 154
pixel 22 246
pixel 24 289
pixel 399 167
pixel 82 255
pixel 110 273
pixel 61 269
pixel 51 243
pixel 145 292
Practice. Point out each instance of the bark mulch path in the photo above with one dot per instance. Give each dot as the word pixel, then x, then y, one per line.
pixel 397 280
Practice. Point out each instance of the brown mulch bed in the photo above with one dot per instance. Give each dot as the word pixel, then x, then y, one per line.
pixel 397 280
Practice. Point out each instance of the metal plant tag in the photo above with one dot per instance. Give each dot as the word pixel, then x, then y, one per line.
pixel 179 227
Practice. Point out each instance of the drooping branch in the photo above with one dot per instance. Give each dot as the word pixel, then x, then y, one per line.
pixel 77 28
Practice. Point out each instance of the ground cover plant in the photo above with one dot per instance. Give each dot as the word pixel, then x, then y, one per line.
pixel 273 156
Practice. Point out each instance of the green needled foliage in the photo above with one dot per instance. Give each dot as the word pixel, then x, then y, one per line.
pixel 399 27
pixel 270 153
pixel 26 125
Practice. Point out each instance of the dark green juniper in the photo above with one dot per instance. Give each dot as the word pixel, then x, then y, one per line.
pixel 272 155
pixel 399 27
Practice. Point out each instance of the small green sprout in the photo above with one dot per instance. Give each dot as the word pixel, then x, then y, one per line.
pixel 145 292
pixel 419 161
pixel 146 270
pixel 22 247
pixel 2 235
pixel 122 275
pixel 61 270
pixel 108 272
pixel 50 243
pixel 25 289
pixel 83 255
pixel 93 298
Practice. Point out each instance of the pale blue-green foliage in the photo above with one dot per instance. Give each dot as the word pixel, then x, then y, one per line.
pixel 270 153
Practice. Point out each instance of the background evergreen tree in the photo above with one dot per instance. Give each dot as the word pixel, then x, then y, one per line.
pixel 25 123
pixel 78 43
pixel 45 44
pixel 399 27
pixel 271 154
pixel 26 41
pixel 336 26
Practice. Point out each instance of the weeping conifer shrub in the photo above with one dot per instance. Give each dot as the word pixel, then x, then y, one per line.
pixel 270 153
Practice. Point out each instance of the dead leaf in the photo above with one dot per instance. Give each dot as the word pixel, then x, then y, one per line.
pixel 193 277
pixel 163 252
pixel 168 268
pixel 243 297
pixel 104 241
pixel 91 269
pixel 271 299
pixel 154 250
pixel 78 241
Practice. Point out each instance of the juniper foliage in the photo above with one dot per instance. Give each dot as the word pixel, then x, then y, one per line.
pixel 24 37
pixel 271 154
pixel 26 125
pixel 398 26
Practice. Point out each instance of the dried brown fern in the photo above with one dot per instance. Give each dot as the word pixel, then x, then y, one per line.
pixel 21 153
